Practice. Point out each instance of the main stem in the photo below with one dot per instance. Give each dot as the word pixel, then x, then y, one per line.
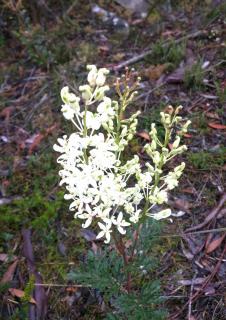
pixel 120 246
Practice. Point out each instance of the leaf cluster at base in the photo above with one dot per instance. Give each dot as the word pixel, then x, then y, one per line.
pixel 105 272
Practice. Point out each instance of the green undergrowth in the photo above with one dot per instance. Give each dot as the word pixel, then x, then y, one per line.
pixel 194 76
pixel 55 46
pixel 170 53
pixel 206 160
pixel 37 203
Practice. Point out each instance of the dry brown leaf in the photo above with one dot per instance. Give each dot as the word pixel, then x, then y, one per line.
pixel 20 294
pixel 209 239
pixel 37 139
pixel 213 245
pixel 154 72
pixel 182 204
pixel 6 112
pixel 187 135
pixel 189 190
pixel 104 48
pixel 8 275
pixel 217 126
pixel 118 57
pixel 144 135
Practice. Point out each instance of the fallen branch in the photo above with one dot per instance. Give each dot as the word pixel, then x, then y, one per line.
pixel 62 285
pixel 213 214
pixel 39 310
pixel 146 53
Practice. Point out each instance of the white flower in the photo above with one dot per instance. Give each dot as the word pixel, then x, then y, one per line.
pixel 64 94
pixel 92 121
pixel 172 178
pixel 158 196
pixel 101 77
pixel 135 217
pixel 70 100
pixel 171 181
pixel 100 184
pixel 86 92
pixel 162 196
pixel 132 166
pixel 105 109
pixel 86 215
pixel 129 208
pixel 71 106
pixel 68 111
pixel 144 179
pixel 92 75
pixel 185 126
pixel 120 223
pixel 62 144
pixel 160 215
pixel 105 230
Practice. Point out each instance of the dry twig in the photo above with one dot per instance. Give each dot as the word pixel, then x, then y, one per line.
pixel 213 214
pixel 146 53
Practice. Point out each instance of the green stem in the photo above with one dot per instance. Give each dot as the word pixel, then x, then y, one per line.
pixel 85 134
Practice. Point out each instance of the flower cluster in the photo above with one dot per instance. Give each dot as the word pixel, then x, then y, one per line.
pixel 101 185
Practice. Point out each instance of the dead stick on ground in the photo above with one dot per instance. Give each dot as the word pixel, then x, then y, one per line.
pixel 190 297
pixel 39 310
pixel 200 291
pixel 210 216
pixel 146 53
pixel 61 285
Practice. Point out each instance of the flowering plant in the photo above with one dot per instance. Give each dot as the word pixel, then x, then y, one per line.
pixel 101 185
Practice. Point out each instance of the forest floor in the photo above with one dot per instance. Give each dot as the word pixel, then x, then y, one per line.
pixel 182 62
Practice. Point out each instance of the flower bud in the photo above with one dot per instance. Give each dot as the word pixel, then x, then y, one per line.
pixel 86 92
pixel 178 109
pixel 176 142
pixel 101 77
pixel 101 92
pixel 156 157
pixel 153 131
pixel 153 145
pixel 92 75
pixel 64 94
pixel 185 126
